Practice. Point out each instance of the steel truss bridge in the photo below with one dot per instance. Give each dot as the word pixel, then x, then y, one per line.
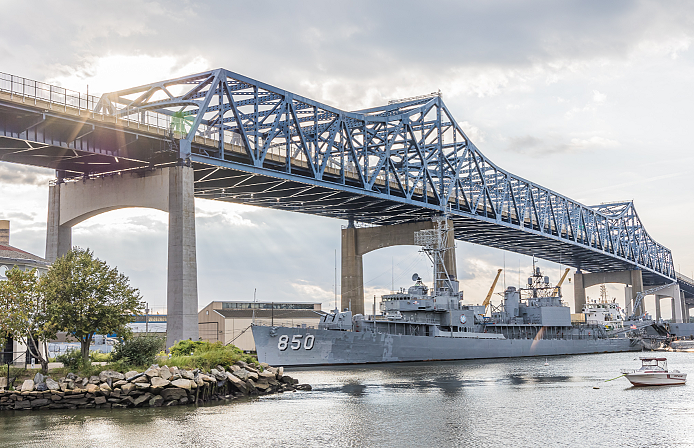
pixel 252 143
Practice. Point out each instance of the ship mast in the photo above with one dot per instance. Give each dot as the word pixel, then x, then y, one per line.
pixel 434 243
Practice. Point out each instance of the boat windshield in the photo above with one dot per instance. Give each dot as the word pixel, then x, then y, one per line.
pixel 653 364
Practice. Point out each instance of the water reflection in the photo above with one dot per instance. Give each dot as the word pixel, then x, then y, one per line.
pixel 437 404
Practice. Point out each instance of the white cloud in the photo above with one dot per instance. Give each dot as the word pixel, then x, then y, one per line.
pixel 113 72
pixel 594 141
pixel 224 212
pixel 599 97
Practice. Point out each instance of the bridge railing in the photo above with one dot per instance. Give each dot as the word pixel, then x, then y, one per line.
pixel 684 278
pixel 24 88
pixel 34 92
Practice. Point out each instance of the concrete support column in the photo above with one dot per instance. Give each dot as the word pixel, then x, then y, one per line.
pixel 58 237
pixel 359 241
pixel 352 285
pixel 170 190
pixel 636 287
pixel 579 292
pixel 628 300
pixel 677 315
pixel 182 288
pixel 657 307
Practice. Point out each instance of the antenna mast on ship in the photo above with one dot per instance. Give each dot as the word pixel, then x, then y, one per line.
pixel 434 243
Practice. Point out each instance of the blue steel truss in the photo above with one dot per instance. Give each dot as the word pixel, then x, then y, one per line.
pixel 409 151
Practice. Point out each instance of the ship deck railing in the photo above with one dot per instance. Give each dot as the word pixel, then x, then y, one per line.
pixel 270 323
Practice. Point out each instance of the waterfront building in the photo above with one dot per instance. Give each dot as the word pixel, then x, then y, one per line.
pixel 229 322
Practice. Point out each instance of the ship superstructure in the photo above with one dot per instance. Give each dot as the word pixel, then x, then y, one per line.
pixel 604 312
pixel 432 323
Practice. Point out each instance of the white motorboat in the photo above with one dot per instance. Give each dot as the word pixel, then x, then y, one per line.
pixel 654 372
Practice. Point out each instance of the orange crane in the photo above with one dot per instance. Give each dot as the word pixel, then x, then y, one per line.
pixel 556 288
pixel 491 291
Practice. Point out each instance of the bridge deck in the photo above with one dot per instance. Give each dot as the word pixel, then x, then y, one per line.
pixel 255 144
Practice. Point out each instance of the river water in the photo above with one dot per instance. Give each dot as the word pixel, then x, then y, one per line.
pixel 511 402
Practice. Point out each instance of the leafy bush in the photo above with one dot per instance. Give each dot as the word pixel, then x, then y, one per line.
pixel 206 355
pixel 139 351
pixel 187 347
pixel 71 359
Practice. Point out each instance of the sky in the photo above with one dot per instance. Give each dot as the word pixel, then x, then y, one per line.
pixel 591 99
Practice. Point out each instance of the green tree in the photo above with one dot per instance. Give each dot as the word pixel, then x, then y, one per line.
pixel 24 313
pixel 86 297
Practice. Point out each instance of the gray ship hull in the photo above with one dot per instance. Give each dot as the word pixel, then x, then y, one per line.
pixel 304 347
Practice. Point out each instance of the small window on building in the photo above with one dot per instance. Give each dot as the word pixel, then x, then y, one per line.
pixel 207 312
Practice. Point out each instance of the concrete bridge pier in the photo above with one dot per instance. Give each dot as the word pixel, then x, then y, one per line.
pixel 631 279
pixel 168 189
pixel 658 315
pixel 359 241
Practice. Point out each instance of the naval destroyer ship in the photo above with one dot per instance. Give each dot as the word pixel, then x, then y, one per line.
pixel 432 324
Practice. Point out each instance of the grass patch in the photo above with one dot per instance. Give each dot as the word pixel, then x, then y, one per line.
pixel 205 355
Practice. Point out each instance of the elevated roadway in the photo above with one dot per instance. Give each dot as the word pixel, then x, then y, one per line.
pixel 252 143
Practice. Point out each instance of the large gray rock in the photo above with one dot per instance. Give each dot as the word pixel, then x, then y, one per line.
pixel 165 373
pixel 94 380
pixel 52 384
pixel 3 382
pixel 39 378
pixel 112 374
pixel 241 373
pixel 119 383
pixel 173 393
pixel 132 374
pixel 207 378
pixel 266 375
pixel 140 379
pixel 27 386
pixel 156 401
pixel 187 374
pixel 153 371
pixel 24 404
pixel 127 388
pixel 141 399
pixel 237 382
pixel 182 384
pixel 218 374
pixel 39 402
pixel 159 382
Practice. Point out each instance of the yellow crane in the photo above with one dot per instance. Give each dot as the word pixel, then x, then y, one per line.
pixel 556 288
pixel 491 291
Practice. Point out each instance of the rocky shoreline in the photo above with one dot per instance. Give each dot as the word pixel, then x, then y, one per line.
pixel 155 387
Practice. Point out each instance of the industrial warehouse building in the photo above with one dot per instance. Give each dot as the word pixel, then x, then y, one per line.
pixel 230 322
